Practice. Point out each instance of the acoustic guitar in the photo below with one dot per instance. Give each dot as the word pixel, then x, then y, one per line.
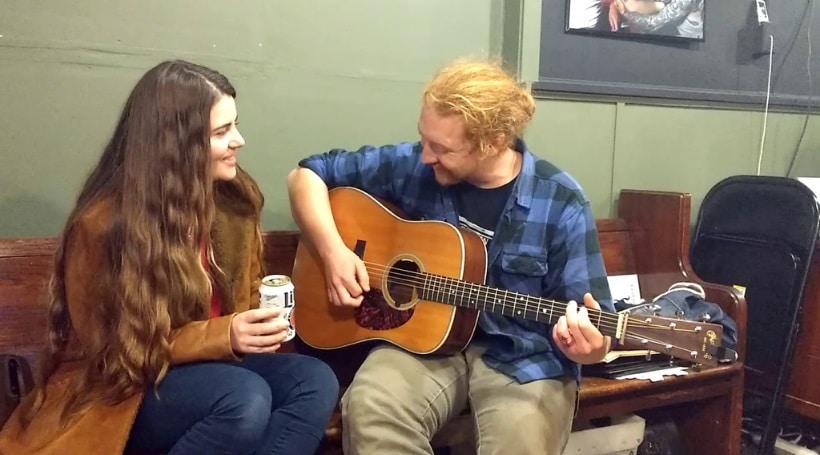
pixel 426 280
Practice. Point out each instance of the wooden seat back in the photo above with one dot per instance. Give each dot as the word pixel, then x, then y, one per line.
pixel 650 238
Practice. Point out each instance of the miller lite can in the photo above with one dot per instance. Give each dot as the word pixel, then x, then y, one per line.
pixel 276 291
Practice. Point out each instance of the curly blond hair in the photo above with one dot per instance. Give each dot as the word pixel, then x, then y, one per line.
pixel 489 99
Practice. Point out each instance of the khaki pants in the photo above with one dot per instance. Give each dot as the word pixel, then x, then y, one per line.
pixel 398 401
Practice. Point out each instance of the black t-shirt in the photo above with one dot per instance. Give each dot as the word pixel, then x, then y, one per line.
pixel 480 208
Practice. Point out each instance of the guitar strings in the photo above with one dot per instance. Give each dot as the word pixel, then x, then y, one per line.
pixel 507 299
pixel 627 336
pixel 606 320
pixel 418 280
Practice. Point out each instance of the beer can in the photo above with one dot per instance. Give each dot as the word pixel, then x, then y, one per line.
pixel 276 291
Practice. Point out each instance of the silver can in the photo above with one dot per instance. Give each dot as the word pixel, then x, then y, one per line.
pixel 276 291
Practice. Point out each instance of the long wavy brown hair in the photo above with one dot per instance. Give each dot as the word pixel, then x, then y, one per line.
pixel 155 171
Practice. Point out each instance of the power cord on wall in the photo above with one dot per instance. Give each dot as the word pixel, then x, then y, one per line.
pixel 763 18
pixel 766 109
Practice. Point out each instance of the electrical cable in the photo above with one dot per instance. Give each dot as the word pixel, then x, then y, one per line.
pixel 766 109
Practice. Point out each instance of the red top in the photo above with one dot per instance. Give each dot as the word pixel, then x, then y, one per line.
pixel 216 304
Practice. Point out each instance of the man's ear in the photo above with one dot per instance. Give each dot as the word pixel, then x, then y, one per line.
pixel 499 144
pixel 494 147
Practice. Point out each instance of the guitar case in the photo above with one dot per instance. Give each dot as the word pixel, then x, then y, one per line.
pixel 15 382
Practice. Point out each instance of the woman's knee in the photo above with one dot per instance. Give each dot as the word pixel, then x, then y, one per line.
pixel 246 410
pixel 320 384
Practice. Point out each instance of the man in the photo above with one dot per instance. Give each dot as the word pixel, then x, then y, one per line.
pixel 519 378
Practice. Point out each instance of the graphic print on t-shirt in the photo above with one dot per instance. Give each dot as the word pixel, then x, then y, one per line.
pixel 485 234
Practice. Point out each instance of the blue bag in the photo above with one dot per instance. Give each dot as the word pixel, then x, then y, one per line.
pixel 686 301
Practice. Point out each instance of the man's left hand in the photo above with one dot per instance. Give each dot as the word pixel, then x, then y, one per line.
pixel 576 337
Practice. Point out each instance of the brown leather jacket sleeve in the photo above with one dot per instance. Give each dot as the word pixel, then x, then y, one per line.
pixel 255 271
pixel 203 340
pixel 85 294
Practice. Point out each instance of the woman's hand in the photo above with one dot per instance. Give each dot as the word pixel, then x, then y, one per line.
pixel 577 338
pixel 257 331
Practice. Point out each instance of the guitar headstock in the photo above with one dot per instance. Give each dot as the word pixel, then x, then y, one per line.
pixel 698 342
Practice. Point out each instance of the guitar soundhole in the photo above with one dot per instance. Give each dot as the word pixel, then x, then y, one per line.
pixel 402 280
pixel 394 307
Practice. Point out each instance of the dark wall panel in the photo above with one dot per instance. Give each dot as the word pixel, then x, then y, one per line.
pixel 730 64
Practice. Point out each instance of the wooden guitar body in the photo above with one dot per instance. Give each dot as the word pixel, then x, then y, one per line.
pixel 391 247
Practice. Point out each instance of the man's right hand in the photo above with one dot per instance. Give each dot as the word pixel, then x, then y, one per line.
pixel 347 278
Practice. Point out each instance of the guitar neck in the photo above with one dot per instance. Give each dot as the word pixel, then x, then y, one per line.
pixel 459 293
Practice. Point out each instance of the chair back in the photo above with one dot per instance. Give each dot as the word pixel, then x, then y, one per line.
pixel 759 232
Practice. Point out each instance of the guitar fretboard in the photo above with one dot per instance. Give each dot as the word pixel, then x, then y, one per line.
pixel 455 292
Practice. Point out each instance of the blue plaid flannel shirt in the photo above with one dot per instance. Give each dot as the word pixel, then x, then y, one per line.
pixel 545 244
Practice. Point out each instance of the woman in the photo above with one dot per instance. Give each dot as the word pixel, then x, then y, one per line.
pixel 156 342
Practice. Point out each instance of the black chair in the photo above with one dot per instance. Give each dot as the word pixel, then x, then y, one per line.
pixel 759 232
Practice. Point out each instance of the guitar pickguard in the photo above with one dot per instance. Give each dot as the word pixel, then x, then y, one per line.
pixel 388 310
pixel 375 314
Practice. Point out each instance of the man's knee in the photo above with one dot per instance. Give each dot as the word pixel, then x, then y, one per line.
pixel 371 404
pixel 531 421
pixel 361 406
pixel 525 430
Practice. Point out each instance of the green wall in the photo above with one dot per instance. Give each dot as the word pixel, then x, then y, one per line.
pixel 322 74
pixel 612 146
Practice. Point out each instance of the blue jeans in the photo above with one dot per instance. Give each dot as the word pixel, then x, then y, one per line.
pixel 265 404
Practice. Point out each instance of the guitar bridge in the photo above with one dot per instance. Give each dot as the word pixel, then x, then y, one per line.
pixel 620 330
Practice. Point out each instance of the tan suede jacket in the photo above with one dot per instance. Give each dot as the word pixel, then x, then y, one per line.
pixel 104 429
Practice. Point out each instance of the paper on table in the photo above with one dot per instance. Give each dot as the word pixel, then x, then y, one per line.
pixel 657 375
pixel 813 183
pixel 625 287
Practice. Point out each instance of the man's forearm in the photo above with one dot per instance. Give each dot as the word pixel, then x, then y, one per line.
pixel 310 207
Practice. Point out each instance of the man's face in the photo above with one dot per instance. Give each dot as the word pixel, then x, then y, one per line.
pixel 444 147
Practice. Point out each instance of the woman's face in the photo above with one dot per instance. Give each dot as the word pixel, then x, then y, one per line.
pixel 225 138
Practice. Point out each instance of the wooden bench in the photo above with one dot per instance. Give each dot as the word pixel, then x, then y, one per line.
pixel 650 238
